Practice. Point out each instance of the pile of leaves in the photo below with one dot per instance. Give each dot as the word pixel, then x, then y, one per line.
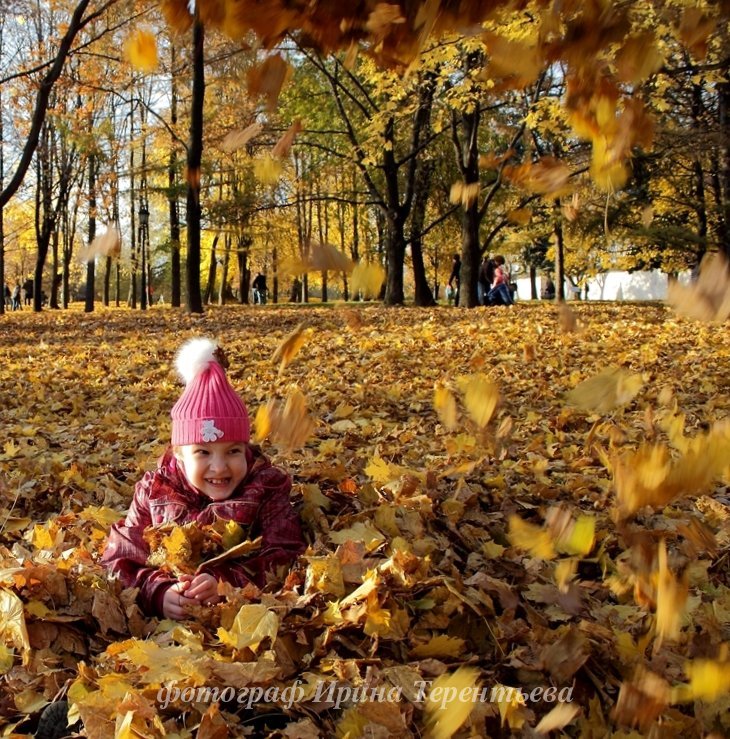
pixel 526 498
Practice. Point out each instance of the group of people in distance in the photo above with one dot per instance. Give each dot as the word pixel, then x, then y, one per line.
pixel 493 286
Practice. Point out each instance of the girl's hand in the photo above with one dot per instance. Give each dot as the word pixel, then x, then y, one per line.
pixel 204 589
pixel 176 602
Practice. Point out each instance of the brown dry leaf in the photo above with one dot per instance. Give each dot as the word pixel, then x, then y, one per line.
pixel 548 177
pixel 567 320
pixel 642 699
pixel 268 78
pixel 639 58
pixel 381 19
pixel 707 299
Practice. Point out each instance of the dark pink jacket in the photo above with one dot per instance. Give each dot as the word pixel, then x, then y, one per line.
pixel 261 503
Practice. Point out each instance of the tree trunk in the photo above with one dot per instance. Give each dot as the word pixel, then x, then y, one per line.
pixel 172 190
pixel 533 282
pixel 195 156
pixel 724 115
pixel 559 253
pixel 89 306
pixel 424 296
pixel 212 268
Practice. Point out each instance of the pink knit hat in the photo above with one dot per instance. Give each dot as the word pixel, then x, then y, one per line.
pixel 209 408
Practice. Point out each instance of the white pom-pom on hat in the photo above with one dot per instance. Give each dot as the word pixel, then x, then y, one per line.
pixel 194 356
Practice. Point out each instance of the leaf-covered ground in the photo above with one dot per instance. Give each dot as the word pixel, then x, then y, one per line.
pixel 476 514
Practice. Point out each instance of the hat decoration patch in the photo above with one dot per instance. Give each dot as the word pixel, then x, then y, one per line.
pixel 209 432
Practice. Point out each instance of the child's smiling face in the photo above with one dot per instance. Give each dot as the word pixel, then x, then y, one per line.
pixel 215 468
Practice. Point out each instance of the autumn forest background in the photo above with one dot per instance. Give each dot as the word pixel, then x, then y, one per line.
pixel 517 498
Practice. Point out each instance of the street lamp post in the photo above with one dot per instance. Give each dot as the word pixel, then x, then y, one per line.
pixel 144 220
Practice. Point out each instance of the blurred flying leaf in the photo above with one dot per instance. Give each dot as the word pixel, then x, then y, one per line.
pixel 236 139
pixel 610 389
pixel 141 50
pixel 707 299
pixel 325 257
pixel 290 346
pixel 443 718
pixel 109 244
pixel 284 144
pixel 533 539
pixel 481 397
pixel 268 78
pixel 445 405
pixel 367 278
pixel 267 170
pixel 671 599
pixel 557 718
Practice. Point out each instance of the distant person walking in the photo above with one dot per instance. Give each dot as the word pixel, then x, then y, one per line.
pixel 259 289
pixel 486 277
pixel 455 278
pixel 16 296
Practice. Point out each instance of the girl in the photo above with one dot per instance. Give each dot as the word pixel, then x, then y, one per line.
pixel 210 472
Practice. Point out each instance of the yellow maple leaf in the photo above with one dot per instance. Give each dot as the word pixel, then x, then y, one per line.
pixel 324 574
pixel 560 716
pixel 141 50
pixel 264 422
pixel 253 623
pixel 445 405
pixel 480 397
pixel 578 539
pixel 449 702
pixel 440 645
pixel 379 470
pixel 7 659
pixel 531 538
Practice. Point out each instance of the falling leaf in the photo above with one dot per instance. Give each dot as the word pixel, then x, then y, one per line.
pixel 141 50
pixel 268 78
pixel 237 139
pixel 284 144
pixel 290 346
pixel 557 718
pixel 671 599
pixel 367 278
pixel 440 646
pixel 267 170
pixel 481 397
pixel 444 717
pixel 638 58
pixel 531 538
pixel 108 244
pixel 707 299
pixel 445 405
pixel 464 194
pixel 325 257
pixel 610 389
pixel 708 679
